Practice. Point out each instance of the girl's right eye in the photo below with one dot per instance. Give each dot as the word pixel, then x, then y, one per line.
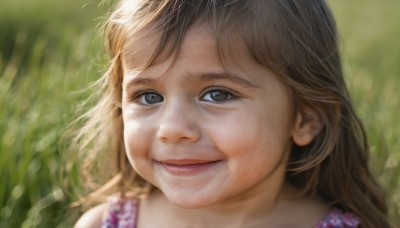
pixel 149 98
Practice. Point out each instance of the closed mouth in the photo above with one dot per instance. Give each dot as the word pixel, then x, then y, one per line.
pixel 187 162
pixel 188 167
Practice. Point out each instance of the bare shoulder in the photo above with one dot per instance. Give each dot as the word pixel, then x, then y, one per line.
pixel 93 217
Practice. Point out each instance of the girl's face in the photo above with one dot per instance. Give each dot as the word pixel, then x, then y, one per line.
pixel 201 135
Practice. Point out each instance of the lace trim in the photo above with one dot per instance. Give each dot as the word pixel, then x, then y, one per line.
pixel 122 213
pixel 337 219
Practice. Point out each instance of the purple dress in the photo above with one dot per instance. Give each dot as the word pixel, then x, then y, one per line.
pixel 123 214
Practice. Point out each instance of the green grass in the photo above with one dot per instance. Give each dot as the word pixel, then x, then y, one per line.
pixel 49 49
pixel 370 32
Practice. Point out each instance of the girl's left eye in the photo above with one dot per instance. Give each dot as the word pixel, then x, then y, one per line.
pixel 217 95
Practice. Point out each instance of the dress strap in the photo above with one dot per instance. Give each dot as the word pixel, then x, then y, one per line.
pixel 338 219
pixel 122 213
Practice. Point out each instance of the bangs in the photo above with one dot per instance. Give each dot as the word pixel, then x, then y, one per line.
pixel 163 24
pixel 274 33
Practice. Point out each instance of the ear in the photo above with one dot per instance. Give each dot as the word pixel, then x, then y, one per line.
pixel 306 126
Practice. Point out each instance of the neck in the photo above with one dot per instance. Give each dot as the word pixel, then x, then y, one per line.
pixel 259 205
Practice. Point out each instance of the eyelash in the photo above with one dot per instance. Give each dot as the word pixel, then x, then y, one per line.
pixel 136 96
pixel 231 94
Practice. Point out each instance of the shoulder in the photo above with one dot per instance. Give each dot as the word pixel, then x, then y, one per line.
pixel 93 217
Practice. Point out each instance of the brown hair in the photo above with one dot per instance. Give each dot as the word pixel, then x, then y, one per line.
pixel 298 41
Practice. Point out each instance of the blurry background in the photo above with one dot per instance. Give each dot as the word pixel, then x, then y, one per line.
pixel 51 50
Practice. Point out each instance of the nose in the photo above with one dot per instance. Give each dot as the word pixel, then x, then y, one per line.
pixel 178 124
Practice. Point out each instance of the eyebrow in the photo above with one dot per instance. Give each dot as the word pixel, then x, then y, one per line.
pixel 211 76
pixel 226 76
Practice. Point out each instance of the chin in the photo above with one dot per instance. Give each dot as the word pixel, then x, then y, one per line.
pixel 189 200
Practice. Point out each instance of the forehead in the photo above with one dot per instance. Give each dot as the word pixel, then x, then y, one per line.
pixel 199 53
pixel 198 57
pixel 141 47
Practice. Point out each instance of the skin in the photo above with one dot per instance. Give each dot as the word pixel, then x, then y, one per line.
pixel 248 133
pixel 179 115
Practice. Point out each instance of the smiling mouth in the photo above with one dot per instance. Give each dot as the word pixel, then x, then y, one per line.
pixel 188 167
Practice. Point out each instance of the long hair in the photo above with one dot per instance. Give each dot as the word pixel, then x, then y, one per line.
pixel 298 41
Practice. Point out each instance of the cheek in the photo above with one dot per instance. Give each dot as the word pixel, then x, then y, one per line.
pixel 255 145
pixel 252 144
pixel 259 132
pixel 137 144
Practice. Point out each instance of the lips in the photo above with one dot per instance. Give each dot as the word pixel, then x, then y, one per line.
pixel 185 162
pixel 188 166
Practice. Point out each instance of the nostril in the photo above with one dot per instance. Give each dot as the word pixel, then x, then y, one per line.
pixel 178 132
pixel 177 122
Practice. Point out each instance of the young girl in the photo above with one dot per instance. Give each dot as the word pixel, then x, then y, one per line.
pixel 228 113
